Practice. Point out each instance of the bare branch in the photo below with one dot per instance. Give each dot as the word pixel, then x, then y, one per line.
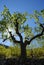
pixel 40 34
pixel 17 31
pixel 13 38
pixel 5 39
pixel 42 25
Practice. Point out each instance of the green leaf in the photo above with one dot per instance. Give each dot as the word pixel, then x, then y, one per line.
pixel 42 13
pixel 28 31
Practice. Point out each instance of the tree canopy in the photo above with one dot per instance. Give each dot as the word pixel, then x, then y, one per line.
pixel 12 25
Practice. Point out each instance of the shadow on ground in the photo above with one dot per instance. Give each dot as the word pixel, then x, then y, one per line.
pixel 13 61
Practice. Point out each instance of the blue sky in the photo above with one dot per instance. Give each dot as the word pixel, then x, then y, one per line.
pixel 22 6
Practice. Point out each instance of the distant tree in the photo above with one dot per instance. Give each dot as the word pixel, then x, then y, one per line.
pixel 16 25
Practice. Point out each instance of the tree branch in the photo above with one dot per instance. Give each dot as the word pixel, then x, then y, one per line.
pixel 5 39
pixel 13 38
pixel 17 31
pixel 40 34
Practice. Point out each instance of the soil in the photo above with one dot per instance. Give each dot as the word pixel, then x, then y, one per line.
pixel 18 61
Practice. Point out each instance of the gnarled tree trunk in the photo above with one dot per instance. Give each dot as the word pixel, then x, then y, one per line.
pixel 23 50
pixel 23 53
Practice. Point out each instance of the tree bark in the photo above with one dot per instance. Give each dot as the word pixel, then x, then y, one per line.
pixel 23 53
pixel 23 50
